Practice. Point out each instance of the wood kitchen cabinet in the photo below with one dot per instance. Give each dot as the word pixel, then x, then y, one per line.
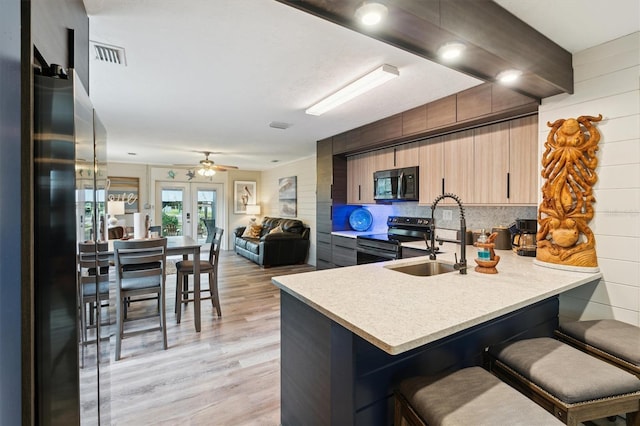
pixel 360 170
pixel 344 250
pixel 331 189
pixel 491 145
pixel 506 162
pixel 447 165
pixel 459 167
pixel 359 173
pixel 431 172
pixel 524 168
pixel 406 155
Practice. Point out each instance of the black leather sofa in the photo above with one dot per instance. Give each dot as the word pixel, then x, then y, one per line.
pixel 287 245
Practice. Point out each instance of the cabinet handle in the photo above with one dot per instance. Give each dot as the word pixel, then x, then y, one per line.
pixel 394 158
pixel 508 185
pixel 442 186
pixel 331 191
pixel 359 193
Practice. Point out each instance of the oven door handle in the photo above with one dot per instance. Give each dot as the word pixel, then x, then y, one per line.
pixel 378 253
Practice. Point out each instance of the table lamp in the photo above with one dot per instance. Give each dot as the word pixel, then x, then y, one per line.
pixel 253 210
pixel 115 208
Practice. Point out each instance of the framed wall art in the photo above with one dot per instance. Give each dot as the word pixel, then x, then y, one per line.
pixel 288 196
pixel 244 192
pixel 124 189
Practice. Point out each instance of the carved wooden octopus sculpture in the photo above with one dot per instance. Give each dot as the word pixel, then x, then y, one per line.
pixel 568 165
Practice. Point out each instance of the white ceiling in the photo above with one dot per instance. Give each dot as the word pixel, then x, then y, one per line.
pixel 206 75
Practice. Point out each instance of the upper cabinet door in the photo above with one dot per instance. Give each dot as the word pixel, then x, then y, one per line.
pixel 406 155
pixel 491 151
pixel 431 172
pixel 459 170
pixel 524 167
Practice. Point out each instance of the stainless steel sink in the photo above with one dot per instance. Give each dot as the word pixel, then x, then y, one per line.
pixel 424 269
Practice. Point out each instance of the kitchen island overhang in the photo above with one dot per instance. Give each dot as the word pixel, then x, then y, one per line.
pixel 350 334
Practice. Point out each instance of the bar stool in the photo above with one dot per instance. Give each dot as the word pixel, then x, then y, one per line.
pixel 470 396
pixel 574 386
pixel 613 341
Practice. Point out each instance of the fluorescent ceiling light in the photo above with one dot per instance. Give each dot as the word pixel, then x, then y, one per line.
pixel 365 83
pixel 451 51
pixel 371 13
pixel 509 76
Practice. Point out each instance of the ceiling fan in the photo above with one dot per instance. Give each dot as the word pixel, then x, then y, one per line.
pixel 209 167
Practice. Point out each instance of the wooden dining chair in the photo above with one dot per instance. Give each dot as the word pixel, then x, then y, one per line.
pixel 185 268
pixel 140 273
pixel 116 232
pixel 93 287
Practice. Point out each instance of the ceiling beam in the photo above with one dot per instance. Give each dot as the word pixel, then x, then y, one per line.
pixel 496 40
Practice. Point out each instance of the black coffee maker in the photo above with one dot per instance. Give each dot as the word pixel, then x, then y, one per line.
pixel 523 237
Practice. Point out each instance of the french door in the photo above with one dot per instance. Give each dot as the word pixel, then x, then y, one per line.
pixel 190 209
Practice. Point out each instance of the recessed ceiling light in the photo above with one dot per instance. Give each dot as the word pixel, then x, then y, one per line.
pixel 451 51
pixel 508 76
pixel 371 13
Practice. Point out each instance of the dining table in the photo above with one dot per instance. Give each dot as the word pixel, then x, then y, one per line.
pixel 185 246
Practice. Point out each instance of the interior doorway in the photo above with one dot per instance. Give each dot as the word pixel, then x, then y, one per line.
pixel 190 209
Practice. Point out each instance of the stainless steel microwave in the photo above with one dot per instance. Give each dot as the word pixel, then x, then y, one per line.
pixel 396 184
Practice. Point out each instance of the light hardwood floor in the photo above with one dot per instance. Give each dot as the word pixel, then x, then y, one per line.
pixel 228 374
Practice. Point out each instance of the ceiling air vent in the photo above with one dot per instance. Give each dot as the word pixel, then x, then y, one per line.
pixel 110 54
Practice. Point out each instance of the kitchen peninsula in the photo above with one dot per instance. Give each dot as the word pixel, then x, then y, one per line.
pixel 349 335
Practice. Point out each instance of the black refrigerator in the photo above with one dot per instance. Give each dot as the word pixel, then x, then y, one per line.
pixel 69 178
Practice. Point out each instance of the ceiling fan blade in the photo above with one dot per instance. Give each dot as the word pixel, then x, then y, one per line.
pixel 222 167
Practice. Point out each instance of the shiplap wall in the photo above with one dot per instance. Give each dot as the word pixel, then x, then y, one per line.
pixel 607 82
pixel 305 170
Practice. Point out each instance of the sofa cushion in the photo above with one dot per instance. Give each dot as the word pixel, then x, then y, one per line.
pixel 242 242
pixel 252 230
pixel 276 230
pixel 292 225
pixel 252 245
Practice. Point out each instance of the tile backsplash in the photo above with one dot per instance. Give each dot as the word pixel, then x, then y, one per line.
pixel 476 217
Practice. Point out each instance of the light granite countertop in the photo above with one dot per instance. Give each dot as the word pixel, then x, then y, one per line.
pixel 398 312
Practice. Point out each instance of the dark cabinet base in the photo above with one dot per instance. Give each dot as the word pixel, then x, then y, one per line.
pixel 331 376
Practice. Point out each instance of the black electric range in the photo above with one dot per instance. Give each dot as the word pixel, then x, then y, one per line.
pixel 388 246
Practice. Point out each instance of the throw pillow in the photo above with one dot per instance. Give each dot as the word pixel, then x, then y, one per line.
pixel 252 230
pixel 276 230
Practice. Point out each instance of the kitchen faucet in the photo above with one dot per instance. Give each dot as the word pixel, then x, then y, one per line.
pixel 462 265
